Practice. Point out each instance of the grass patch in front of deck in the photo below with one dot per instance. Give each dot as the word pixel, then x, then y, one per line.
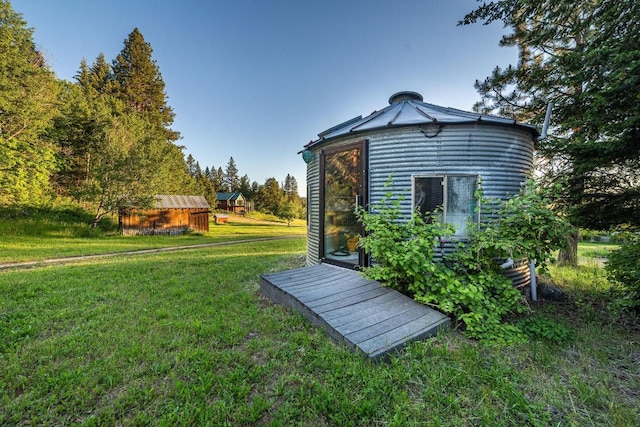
pixel 185 338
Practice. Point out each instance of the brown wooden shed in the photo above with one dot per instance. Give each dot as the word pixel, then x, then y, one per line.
pixel 172 214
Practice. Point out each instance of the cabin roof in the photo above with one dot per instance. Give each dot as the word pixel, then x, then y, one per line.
pixel 229 196
pixel 173 201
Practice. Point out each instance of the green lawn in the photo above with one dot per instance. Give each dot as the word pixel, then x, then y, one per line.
pixel 35 241
pixel 185 338
pixel 587 251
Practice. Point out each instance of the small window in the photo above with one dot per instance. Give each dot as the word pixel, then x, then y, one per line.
pixel 454 195
pixel 428 193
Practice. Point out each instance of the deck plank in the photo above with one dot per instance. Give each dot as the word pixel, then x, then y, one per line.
pixel 320 306
pixel 345 314
pixel 351 324
pixel 383 344
pixel 361 313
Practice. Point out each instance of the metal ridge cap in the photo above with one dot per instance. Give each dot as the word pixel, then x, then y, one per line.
pixel 395 116
pixel 374 115
pixel 424 113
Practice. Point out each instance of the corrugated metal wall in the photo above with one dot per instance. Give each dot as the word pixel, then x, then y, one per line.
pixel 313 205
pixel 501 155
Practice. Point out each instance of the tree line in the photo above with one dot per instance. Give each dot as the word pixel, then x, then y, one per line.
pixel 272 197
pixel 103 141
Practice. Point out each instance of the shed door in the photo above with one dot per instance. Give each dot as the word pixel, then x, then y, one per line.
pixel 343 187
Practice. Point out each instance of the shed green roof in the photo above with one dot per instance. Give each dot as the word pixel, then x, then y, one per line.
pixel 229 196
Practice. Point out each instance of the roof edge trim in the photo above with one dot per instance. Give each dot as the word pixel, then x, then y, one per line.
pixel 331 129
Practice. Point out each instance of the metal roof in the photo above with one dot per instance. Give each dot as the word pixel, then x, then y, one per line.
pixel 229 196
pixel 173 201
pixel 406 109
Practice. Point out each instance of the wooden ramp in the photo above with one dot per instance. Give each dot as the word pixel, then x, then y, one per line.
pixel 362 313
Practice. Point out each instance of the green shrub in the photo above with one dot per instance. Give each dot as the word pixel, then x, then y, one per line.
pixel 403 251
pixel 469 284
pixel 623 271
pixel 525 227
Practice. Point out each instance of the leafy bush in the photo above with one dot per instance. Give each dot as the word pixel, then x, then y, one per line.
pixel 623 271
pixel 403 251
pixel 544 329
pixel 524 227
pixel 469 284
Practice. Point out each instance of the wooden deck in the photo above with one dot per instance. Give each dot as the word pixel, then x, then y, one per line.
pixel 361 313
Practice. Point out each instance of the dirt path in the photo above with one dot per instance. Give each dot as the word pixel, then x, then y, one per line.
pixel 66 260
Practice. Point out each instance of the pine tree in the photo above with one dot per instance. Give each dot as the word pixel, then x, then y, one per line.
pixel 584 56
pixel 192 166
pixel 232 181
pixel 219 180
pixel 291 187
pixel 83 77
pixel 245 187
pixel 140 85
pixel 209 192
pixel 101 78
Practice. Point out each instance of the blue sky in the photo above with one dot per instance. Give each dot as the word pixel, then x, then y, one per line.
pixel 258 79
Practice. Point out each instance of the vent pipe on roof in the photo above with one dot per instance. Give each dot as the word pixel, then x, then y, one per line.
pixel 404 96
pixel 545 125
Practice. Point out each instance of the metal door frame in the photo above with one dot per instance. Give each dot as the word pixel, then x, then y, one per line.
pixel 363 187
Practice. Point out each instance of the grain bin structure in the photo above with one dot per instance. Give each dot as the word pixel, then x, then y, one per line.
pixel 435 155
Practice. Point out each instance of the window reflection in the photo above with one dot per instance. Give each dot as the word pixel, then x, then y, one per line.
pixel 451 197
pixel 341 227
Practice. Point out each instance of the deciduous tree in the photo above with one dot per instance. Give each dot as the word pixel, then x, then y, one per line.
pixel 28 92
pixel 117 153
pixel 118 172
pixel 270 197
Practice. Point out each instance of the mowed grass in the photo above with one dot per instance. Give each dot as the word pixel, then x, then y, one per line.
pixel 185 338
pixel 38 238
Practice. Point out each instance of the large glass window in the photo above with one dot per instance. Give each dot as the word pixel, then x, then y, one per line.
pixel 452 196
pixel 343 188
